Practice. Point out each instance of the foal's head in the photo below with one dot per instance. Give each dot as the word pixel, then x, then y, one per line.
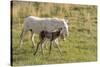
pixel 57 33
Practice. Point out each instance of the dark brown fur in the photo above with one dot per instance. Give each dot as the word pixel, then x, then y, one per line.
pixel 49 35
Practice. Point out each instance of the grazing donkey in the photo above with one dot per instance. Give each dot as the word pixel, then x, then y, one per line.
pixel 48 35
pixel 36 25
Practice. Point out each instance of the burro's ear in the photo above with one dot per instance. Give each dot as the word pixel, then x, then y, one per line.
pixel 66 19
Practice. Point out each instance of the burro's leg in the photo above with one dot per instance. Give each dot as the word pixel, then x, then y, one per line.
pixel 45 44
pixel 57 45
pixel 32 39
pixel 42 47
pixel 56 41
pixel 21 38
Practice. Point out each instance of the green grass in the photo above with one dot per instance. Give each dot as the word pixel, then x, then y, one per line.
pixel 80 46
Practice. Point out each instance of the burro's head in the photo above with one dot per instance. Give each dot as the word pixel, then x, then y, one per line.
pixel 64 32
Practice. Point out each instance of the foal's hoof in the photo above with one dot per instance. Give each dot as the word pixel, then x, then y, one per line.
pixel 34 53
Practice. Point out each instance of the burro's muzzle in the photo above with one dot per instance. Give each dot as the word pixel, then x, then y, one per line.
pixel 64 36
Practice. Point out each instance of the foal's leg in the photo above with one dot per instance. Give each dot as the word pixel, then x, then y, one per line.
pixel 50 47
pixel 40 43
pixel 37 48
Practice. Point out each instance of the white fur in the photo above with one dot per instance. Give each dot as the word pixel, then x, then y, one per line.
pixel 48 24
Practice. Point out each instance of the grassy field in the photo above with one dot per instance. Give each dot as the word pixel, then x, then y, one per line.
pixel 80 46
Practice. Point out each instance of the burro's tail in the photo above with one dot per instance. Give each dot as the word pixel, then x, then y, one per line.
pixel 21 34
pixel 20 39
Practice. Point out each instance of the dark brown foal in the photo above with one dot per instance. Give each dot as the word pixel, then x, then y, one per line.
pixel 48 35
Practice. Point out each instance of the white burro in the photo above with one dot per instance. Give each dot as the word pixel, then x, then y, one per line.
pixel 36 25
